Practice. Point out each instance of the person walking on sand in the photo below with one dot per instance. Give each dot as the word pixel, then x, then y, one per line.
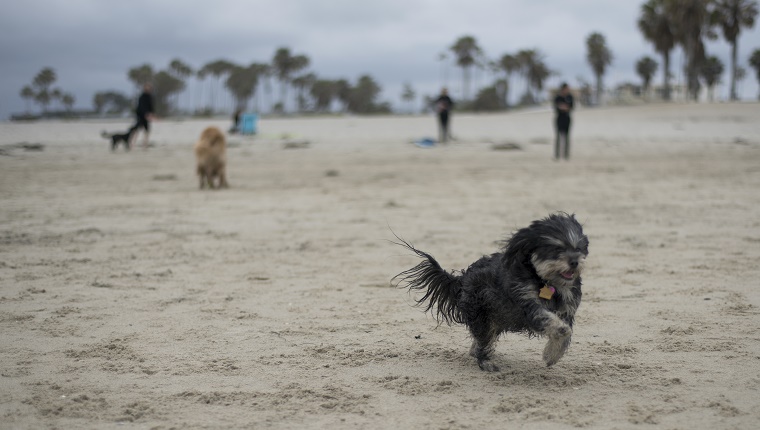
pixel 443 105
pixel 563 104
pixel 144 114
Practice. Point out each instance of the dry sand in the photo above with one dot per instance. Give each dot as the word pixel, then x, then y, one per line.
pixel 130 299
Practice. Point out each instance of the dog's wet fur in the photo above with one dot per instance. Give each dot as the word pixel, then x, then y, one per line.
pixel 211 158
pixel 500 293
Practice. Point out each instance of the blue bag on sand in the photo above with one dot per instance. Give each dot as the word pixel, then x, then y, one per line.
pixel 248 123
pixel 425 142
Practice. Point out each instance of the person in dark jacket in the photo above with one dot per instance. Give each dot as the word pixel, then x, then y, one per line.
pixel 144 114
pixel 443 105
pixel 563 104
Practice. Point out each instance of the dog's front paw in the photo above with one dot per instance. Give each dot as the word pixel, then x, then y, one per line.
pixel 555 348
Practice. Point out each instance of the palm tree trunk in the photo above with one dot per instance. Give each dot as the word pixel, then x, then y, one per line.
pixel 666 76
pixel 283 90
pixel 599 89
pixel 733 70
pixel 506 92
pixel 465 82
pixel 692 64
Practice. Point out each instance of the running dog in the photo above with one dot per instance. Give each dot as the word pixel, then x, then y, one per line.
pixel 211 157
pixel 532 286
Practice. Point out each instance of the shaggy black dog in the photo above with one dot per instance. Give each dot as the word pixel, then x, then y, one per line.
pixel 533 286
pixel 117 138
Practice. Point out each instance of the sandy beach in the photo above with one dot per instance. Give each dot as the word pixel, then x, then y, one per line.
pixel 131 299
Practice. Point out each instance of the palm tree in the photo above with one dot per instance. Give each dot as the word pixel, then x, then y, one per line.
pixel 527 59
pixel 302 84
pixel 27 93
pixel 42 82
pixel 508 64
pixel 267 71
pixel 711 70
pixel 140 75
pixel 754 61
pixel 181 71
pixel 466 51
pixel 43 98
pixel 242 82
pixel 538 74
pixel 741 73
pixel 599 57
pixel 284 66
pixel 56 94
pixel 656 26
pixel 200 75
pixel 299 63
pixel 732 15
pixel 692 21
pixel 164 86
pixel 45 78
pixel 645 68
pixel 262 75
pixel 343 92
pixel 68 100
pixel 217 69
pixel 323 92
pixel 408 95
pixel 363 95
pixel 281 63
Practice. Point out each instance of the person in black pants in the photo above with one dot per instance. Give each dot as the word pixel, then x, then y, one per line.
pixel 144 113
pixel 443 105
pixel 563 104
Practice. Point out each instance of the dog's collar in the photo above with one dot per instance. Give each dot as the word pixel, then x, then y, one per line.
pixel 546 292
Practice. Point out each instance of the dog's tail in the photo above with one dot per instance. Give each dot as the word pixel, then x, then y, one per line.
pixel 441 288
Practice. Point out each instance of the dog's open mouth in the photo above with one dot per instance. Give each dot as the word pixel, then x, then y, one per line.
pixel 567 275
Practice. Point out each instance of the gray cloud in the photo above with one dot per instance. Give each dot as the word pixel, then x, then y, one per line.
pixel 91 44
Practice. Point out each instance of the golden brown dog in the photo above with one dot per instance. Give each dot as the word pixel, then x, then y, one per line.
pixel 211 156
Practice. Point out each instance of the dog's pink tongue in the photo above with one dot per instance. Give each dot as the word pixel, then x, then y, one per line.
pixel 567 275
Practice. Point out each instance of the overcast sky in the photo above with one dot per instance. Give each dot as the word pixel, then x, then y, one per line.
pixel 92 43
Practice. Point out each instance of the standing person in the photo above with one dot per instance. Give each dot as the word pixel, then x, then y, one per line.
pixel 144 113
pixel 443 105
pixel 563 104
pixel 235 121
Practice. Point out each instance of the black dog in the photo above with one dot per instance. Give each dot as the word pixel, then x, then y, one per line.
pixel 117 138
pixel 533 286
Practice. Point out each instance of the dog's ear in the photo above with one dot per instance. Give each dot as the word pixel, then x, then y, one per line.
pixel 519 248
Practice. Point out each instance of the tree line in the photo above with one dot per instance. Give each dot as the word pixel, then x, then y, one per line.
pixel 41 91
pixel 688 23
pixel 666 24
pixel 244 82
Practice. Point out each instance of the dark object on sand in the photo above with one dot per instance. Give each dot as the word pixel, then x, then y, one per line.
pixel 167 177
pixel 296 144
pixel 117 138
pixel 26 146
pixel 506 146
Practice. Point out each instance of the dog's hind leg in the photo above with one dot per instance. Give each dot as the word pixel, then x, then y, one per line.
pixel 201 177
pixel 223 178
pixel 484 336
